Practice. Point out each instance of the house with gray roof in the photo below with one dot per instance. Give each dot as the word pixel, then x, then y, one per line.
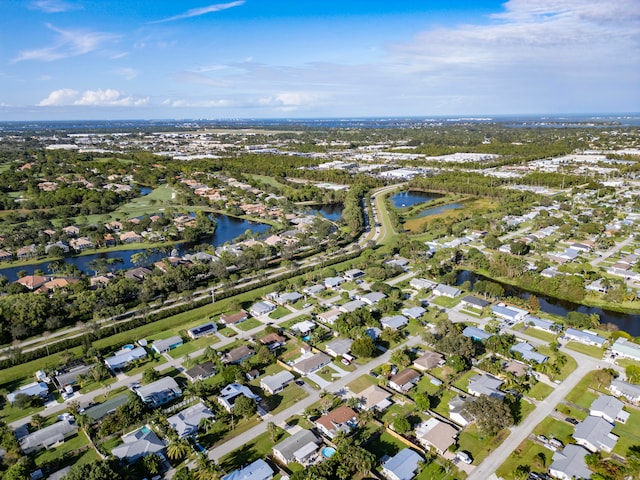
pixel 394 322
pixel 48 437
pixel 422 284
pixel 313 289
pixel 138 444
pixel 609 408
pixel 200 372
pixel 71 376
pixel 583 336
pixel 258 470
pixel 166 344
pixel 301 447
pixel 540 324
pixel 626 349
pixel 372 298
pixel 262 308
pixel 275 383
pixel 457 411
pixel 186 422
pixel 474 302
pixel 36 389
pixel 159 392
pixel 485 384
pixel 569 463
pixel 594 434
pixel 203 330
pixel 508 313
pixel 446 291
pixel 353 274
pixel 105 408
pixel 230 393
pixel 414 312
pixel 125 356
pixel 338 347
pixel 402 466
pixel 527 352
pixel 310 364
pixel 476 333
pixel 351 306
pixel 333 282
pixel 238 354
pixel 630 391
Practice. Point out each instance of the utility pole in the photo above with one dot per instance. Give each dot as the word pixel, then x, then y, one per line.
pixel 213 295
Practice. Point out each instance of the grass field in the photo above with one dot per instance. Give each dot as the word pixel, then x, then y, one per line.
pixel 540 391
pixel 257 448
pixel 592 351
pixel 446 301
pixel 478 446
pixel 64 450
pixel 361 383
pixel 526 454
pixel 248 324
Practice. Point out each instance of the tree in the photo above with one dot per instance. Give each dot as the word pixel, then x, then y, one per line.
pixel 534 303
pixel 152 464
pixel 244 407
pixel 206 469
pixel 400 358
pixel 522 472
pixel 36 421
pixel 422 401
pixel 633 373
pixel 150 375
pixel 491 414
pixel 457 362
pixel 401 425
pixel 363 347
pixel 273 431
pixel 97 470
pixel 178 449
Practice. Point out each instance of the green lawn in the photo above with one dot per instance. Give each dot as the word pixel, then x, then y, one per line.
pixel 257 448
pixel 396 411
pixel 550 427
pixel 446 301
pixel 541 334
pixel 361 383
pixel 478 446
pixel 463 382
pixel 525 454
pixel 279 313
pixel 580 395
pixel 385 444
pixel 248 324
pixel 443 403
pixel 9 413
pixel 540 391
pixel 192 346
pixel 62 451
pixel 291 395
pixel 91 385
pixel 592 351
pixel 425 385
pixel 629 432
pixel 144 365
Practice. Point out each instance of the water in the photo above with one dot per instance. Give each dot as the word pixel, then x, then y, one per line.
pixel 412 197
pixel 627 322
pixel 427 212
pixel 227 229
pixel 328 452
pixel 331 211
pixel 145 190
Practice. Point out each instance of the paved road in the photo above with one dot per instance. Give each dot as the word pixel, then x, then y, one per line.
pixel 612 251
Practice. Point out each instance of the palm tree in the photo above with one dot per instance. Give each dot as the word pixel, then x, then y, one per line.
pixel 206 469
pixel 273 431
pixel 178 449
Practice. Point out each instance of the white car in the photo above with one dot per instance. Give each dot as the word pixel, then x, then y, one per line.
pixel 464 457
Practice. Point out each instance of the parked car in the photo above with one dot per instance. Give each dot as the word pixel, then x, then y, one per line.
pixel 464 457
pixel 542 438
pixel 571 420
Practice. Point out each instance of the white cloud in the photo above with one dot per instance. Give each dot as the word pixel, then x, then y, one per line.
pixel 70 43
pixel 196 12
pixel 53 6
pixel 127 72
pixel 96 98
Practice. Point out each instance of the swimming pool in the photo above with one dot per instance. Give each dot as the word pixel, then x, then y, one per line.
pixel 328 452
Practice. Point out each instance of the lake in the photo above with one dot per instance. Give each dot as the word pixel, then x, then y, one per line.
pixel 331 211
pixel 629 323
pixel 227 229
pixel 427 212
pixel 412 197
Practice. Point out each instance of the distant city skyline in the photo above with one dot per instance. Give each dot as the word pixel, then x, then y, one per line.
pixel 104 59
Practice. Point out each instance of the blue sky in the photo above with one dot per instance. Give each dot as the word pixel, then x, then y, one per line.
pixel 125 59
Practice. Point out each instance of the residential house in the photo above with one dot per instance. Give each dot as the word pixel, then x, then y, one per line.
pixel 630 391
pixel 164 345
pixel 258 470
pixel 138 273
pixel 60 244
pixel 80 244
pixel 277 382
pixel 309 364
pixel 540 324
pixel 330 316
pixel 138 444
pixel 338 347
pixel 26 252
pixel 436 434
pixel 36 389
pixel 394 322
pixel 48 437
pixel 474 302
pixel 372 298
pixel 402 466
pixel 200 372
pixel 351 306
pixel 301 447
pixel 159 392
pixel 242 315
pixel 333 282
pixel 273 341
pixel 446 291
pixel 125 356
pixel 458 412
pixel 261 308
pixel 594 434
pixel 341 419
pixel 304 327
pixel 585 337
pixel 626 349
pixel 186 422
pixel 32 282
pixel 428 360
pixel 287 298
pixel 485 384
pixel 203 330
pixel 71 375
pixel 609 408
pixel 230 393
pixel 414 312
pixel 374 398
pixel 422 284
pixel 238 354
pixel 130 237
pixel 71 231
pixel 569 463
pixel 313 289
pixel 509 313
pixel 526 351
pixel 5 256
pixel 404 380
pixel 353 274
pixel 476 334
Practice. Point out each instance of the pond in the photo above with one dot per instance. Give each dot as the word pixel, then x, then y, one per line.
pixel 330 211
pixel 627 322
pixel 427 212
pixel 410 198
pixel 227 229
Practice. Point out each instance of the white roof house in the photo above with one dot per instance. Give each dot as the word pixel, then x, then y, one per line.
pixel 186 422
pixel 164 345
pixel 402 466
pixel 526 350
pixel 569 463
pixel 258 470
pixel 36 389
pixel 594 433
pixel 394 322
pixel 422 284
pixel 275 383
pixel 138 444
pixel 626 349
pixel 484 384
pixel 609 408
pixel 124 357
pixel 231 392
pixel 446 291
pixel 339 347
pixel 48 436
pixel 630 391
pixel 159 392
pixel 584 336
